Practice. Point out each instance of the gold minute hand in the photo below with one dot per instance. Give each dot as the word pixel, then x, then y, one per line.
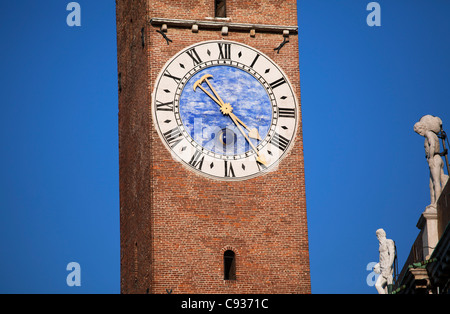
pixel 199 85
pixel 226 109
pixel 261 159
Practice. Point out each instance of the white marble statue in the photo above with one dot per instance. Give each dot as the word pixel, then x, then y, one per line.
pixel 428 127
pixel 386 265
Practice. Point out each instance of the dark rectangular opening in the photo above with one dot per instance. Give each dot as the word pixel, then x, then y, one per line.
pixel 220 8
pixel 229 260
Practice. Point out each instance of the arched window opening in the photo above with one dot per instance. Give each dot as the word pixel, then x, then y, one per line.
pixel 221 8
pixel 229 261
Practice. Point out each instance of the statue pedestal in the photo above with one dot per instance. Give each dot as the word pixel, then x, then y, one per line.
pixel 429 225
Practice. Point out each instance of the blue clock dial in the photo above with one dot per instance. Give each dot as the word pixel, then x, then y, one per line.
pixel 209 127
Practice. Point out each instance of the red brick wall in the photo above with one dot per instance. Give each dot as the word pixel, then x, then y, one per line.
pixel 274 12
pixel 175 224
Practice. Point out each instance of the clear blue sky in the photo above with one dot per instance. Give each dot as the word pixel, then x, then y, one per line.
pixel 363 88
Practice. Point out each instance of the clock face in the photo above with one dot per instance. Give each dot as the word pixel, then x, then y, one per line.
pixel 225 110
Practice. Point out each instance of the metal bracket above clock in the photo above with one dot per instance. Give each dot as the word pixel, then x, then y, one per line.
pixel 208 25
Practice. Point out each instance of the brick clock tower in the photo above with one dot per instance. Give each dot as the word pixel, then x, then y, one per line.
pixel 212 188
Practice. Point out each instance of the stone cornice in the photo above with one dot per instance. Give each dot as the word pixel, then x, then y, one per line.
pixel 220 24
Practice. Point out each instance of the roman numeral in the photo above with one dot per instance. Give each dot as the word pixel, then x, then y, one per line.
pixel 176 79
pixel 277 83
pixel 279 141
pixel 173 137
pixel 194 55
pixel 254 61
pixel 286 113
pixel 167 106
pixel 196 162
pixel 229 172
pixel 224 51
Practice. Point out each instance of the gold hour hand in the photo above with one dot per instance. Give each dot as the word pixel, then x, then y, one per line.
pixel 252 133
pixel 226 109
